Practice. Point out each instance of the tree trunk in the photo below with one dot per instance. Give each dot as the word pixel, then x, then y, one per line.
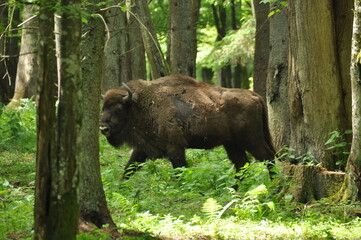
pixel 27 72
pixel 261 53
pixel 57 208
pixel 343 28
pixel 46 122
pixel 183 36
pixel 93 206
pixel 315 95
pixel 9 50
pixel 277 79
pixel 224 75
pixel 4 78
pixel 115 58
pixel 155 56
pixel 136 51
pixel 207 75
pixel 351 189
pixel 307 184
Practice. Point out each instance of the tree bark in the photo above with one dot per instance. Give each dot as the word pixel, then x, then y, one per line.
pixel 155 55
pixel 116 60
pixel 351 189
pixel 136 51
pixel 315 94
pixel 183 36
pixel 46 122
pixel 343 13
pixel 93 205
pixel 59 151
pixel 224 75
pixel 65 211
pixel 307 184
pixel 27 69
pixel 9 50
pixel 277 78
pixel 261 53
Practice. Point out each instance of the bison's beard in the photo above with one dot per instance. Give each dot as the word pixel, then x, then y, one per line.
pixel 116 139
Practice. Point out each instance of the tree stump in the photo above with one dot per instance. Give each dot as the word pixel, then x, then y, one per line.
pixel 309 183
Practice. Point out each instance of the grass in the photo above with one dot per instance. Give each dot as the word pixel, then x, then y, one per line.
pixel 159 202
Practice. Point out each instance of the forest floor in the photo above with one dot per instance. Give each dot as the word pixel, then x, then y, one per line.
pixel 161 203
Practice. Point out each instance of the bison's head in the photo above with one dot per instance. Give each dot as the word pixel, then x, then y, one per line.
pixel 115 114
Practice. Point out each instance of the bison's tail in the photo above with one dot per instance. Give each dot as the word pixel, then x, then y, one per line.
pixel 266 130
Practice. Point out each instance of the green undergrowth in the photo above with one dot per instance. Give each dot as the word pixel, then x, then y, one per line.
pixel 158 202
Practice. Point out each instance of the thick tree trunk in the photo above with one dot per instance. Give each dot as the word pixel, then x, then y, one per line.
pixel 27 70
pixel 351 189
pixel 116 63
pixel 183 36
pixel 93 206
pixel 136 51
pixel 56 204
pixel 261 53
pixel 64 207
pixel 315 94
pixel 307 184
pixel 277 79
pixel 155 55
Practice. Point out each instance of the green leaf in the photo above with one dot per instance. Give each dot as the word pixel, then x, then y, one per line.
pixel 271 205
pixel 271 13
pixel 349 131
pixel 261 189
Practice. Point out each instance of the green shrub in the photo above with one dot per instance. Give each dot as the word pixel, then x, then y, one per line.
pixel 18 127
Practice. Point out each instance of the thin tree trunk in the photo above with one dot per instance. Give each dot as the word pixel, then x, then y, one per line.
pixel 224 75
pixel 261 53
pixel 116 60
pixel 343 13
pixel 9 50
pixel 27 70
pixel 315 94
pixel 277 79
pixel 183 36
pixel 136 51
pixel 351 189
pixel 4 78
pixel 155 55
pixel 46 122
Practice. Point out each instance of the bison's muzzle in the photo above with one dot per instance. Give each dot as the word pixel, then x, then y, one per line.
pixel 105 129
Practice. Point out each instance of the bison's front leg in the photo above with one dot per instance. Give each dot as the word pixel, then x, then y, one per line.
pixel 177 156
pixel 138 156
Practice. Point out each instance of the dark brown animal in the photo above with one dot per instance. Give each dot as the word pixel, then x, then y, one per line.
pixel 163 117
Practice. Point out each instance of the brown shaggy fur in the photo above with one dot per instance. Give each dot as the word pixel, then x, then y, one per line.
pixel 170 114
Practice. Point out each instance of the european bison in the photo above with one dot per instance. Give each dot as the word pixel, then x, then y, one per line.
pixel 163 117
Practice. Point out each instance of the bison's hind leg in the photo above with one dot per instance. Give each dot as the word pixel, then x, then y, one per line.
pixel 237 155
pixel 262 151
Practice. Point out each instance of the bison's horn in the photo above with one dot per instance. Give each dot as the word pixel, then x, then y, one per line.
pixel 130 93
